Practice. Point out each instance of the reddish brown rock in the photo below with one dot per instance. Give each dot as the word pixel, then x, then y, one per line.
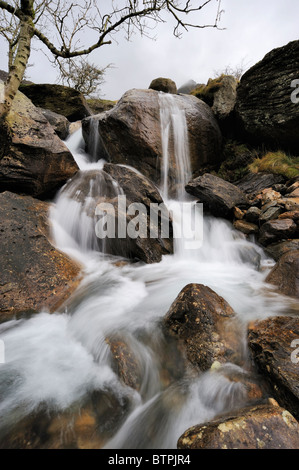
pixel 265 426
pixel 294 215
pixel 125 361
pixel 272 343
pixel 34 275
pixel 246 227
pixel 33 160
pixel 206 326
pixel 285 274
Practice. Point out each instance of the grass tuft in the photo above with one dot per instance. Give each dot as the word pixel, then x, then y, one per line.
pixel 276 162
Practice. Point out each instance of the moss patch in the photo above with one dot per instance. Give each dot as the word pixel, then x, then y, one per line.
pixel 206 92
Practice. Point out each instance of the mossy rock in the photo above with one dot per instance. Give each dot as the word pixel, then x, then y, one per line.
pixel 58 98
pixel 98 106
pixel 164 84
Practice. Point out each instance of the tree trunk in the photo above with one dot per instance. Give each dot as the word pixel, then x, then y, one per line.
pixel 18 68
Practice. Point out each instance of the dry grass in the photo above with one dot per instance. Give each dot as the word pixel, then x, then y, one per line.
pixel 278 163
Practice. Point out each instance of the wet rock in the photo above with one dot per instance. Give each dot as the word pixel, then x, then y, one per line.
pixel 252 389
pixel 163 84
pixel 33 160
pixel 136 187
pixel 206 326
pixel 246 227
pixel 275 230
pixel 139 189
pixel 34 275
pixel 264 426
pixel 127 365
pixel 264 107
pixel 276 250
pixel 60 123
pixel 130 133
pixel 147 239
pixel 285 274
pixel 59 99
pixel 273 351
pixel 253 183
pixel 87 425
pixel 219 196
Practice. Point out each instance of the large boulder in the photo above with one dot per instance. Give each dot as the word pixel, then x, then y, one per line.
pixel 274 230
pixel 60 123
pixel 33 160
pixel 91 188
pixel 219 196
pixel 163 84
pixel 225 98
pixel 130 133
pixel 276 250
pixel 58 98
pixel 254 183
pixel 34 275
pixel 285 274
pixel 264 106
pixel 272 343
pixel 265 426
pixel 206 326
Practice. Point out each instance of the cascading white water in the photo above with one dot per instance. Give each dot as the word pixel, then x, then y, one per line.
pixel 175 147
pixel 56 360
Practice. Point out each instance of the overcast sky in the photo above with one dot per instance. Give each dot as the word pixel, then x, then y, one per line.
pixel 253 28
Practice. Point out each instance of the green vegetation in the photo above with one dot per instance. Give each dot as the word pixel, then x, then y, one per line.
pixel 206 92
pixel 237 157
pixel 278 163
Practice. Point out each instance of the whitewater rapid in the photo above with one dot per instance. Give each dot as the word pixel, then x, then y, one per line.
pixel 56 359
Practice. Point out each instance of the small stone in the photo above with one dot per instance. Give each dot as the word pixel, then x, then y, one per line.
pixel 238 213
pixel 246 227
pixel 270 214
pixel 253 214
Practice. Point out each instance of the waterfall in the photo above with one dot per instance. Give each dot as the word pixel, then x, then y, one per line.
pixel 58 360
pixel 175 169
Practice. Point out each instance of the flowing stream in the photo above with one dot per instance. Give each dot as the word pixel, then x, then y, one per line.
pixel 56 360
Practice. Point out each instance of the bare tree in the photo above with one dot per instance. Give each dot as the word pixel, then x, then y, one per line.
pixel 81 75
pixel 62 27
pixel 236 71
